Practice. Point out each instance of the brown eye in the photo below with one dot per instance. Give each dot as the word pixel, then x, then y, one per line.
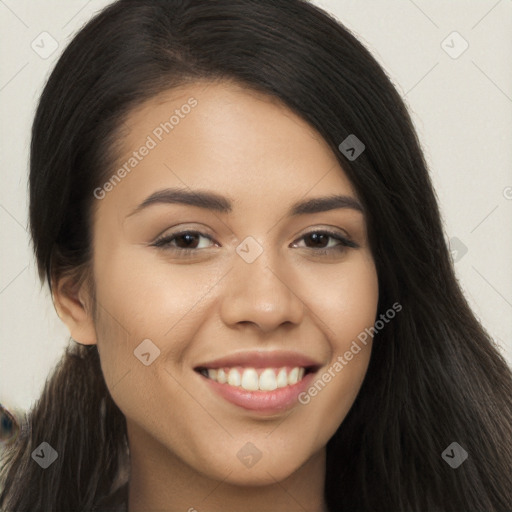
pixel 183 241
pixel 186 241
pixel 320 240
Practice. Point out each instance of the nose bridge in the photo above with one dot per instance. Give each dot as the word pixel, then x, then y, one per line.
pixel 259 291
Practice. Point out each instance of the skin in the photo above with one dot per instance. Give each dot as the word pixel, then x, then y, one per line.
pixel 183 437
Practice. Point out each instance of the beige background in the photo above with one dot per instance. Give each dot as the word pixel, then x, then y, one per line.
pixel 461 106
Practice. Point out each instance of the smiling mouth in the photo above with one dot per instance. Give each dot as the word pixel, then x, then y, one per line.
pixel 257 379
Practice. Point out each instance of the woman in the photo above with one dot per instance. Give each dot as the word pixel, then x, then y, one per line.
pixel 254 370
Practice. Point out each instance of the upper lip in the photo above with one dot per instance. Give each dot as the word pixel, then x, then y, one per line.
pixel 262 359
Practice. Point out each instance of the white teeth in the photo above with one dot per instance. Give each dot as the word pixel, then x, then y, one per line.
pixel 282 378
pixel 293 376
pixel 267 380
pixel 221 376
pixel 250 379
pixel 234 377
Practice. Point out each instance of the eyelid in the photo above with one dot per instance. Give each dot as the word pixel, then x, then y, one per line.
pixel 172 235
pixel 328 230
pixel 346 240
pixel 164 241
pixel 186 227
pixel 331 230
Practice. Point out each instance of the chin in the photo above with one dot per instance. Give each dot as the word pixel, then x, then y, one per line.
pixel 264 472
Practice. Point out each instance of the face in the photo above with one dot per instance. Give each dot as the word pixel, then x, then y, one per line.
pixel 230 280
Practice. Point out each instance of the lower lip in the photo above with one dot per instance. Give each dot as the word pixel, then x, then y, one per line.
pixel 279 399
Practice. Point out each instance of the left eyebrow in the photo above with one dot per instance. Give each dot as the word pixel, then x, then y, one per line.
pixel 324 204
pixel 216 202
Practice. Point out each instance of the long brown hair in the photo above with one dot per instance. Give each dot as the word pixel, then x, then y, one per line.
pixel 435 376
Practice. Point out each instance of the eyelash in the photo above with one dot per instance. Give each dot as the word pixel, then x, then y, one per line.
pixel 165 241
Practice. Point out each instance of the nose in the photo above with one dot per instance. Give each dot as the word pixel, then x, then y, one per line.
pixel 261 293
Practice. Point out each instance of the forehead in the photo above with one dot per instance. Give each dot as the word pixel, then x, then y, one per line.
pixel 225 138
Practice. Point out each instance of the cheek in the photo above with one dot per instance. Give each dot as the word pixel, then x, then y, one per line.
pixel 346 309
pixel 149 300
pixel 344 299
pixel 147 312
